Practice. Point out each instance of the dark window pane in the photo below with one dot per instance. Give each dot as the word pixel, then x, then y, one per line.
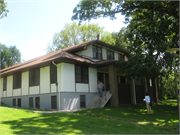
pixel 31 102
pixel 4 83
pixel 99 56
pixel 19 102
pixel 53 102
pixel 82 101
pixel 37 102
pixel 53 73
pixel 94 52
pixel 37 77
pixel 14 102
pixel 14 81
pixel 99 50
pixel 78 77
pixel 31 81
pixel 120 57
pixel 78 69
pixel 19 81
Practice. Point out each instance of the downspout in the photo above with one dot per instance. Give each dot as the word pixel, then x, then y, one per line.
pixel 57 85
pixel 134 91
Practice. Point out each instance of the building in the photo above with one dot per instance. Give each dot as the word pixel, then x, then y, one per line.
pixel 67 79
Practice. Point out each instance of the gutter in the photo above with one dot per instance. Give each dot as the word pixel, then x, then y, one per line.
pixel 57 85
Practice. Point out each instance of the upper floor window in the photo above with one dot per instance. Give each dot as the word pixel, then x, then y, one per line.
pixel 17 81
pixel 4 83
pixel 81 74
pixel 53 74
pixel 34 77
pixel 97 52
pixel 120 57
pixel 110 55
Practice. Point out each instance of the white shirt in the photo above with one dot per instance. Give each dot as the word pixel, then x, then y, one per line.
pixel 100 85
pixel 147 99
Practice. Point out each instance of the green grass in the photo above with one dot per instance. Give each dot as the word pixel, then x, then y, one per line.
pixel 109 120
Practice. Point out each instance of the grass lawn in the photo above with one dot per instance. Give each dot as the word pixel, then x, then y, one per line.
pixel 109 120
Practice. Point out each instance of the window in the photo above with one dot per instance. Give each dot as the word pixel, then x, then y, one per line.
pixel 120 57
pixel 53 73
pixel 14 102
pixel 97 52
pixel 38 102
pixel 82 101
pixel 81 74
pixel 34 77
pixel 122 79
pixel 4 83
pixel 53 102
pixel 19 102
pixel 31 102
pixel 17 81
pixel 110 55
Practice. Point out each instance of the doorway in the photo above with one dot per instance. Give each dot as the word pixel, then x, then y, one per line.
pixel 38 102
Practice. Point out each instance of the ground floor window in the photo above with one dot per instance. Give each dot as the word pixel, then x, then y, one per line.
pixel 31 102
pixel 38 102
pixel 14 102
pixel 82 101
pixel 19 102
pixel 53 102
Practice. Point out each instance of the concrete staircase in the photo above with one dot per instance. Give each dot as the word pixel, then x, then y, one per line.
pixel 99 103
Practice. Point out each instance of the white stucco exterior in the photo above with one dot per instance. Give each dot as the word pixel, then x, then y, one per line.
pixel 53 87
pixel 9 85
pixel 45 79
pixel 16 92
pixel 126 59
pixel 34 90
pixel 115 55
pixel 104 54
pixel 25 83
pixel 93 79
pixel 67 77
pixel 80 87
pixel 88 52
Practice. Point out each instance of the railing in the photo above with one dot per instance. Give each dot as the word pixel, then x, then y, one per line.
pixel 106 89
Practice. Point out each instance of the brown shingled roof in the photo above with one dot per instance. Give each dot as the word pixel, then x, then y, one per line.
pixel 63 54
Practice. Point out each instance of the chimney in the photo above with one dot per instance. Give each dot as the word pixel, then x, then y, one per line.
pixel 98 37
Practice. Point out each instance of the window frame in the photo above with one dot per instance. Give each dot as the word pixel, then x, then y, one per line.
pixel 111 55
pixel 17 83
pixel 97 52
pixel 119 54
pixel 83 101
pixel 52 74
pixel 34 77
pixel 5 83
pixel 81 74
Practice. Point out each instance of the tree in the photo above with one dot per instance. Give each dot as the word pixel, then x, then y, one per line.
pixel 3 10
pixel 73 34
pixel 9 56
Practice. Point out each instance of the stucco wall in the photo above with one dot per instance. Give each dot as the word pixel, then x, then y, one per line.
pixel 45 79
pixel 80 87
pixel 126 59
pixel 104 54
pixel 88 52
pixel 115 55
pixel 25 83
pixel 34 90
pixel 16 92
pixel 93 79
pixel 9 85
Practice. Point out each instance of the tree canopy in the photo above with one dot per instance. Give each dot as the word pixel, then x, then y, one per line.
pixel 9 56
pixel 3 9
pixel 153 26
pixel 73 34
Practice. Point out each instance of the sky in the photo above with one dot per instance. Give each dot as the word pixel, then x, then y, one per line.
pixel 31 24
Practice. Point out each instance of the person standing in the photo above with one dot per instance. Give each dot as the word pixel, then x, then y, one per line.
pixel 148 100
pixel 100 87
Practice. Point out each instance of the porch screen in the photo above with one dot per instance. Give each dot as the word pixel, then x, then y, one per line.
pixel 17 81
pixel 4 83
pixel 81 74
pixel 34 77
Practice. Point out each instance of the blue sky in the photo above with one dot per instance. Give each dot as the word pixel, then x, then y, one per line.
pixel 30 24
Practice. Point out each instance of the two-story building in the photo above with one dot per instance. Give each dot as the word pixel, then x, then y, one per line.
pixel 67 79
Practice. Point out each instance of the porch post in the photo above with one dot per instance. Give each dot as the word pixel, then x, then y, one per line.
pixel 132 91
pixel 113 85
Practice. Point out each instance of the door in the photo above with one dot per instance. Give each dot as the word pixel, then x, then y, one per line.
pixel 53 102
pixel 38 102
pixel 124 93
